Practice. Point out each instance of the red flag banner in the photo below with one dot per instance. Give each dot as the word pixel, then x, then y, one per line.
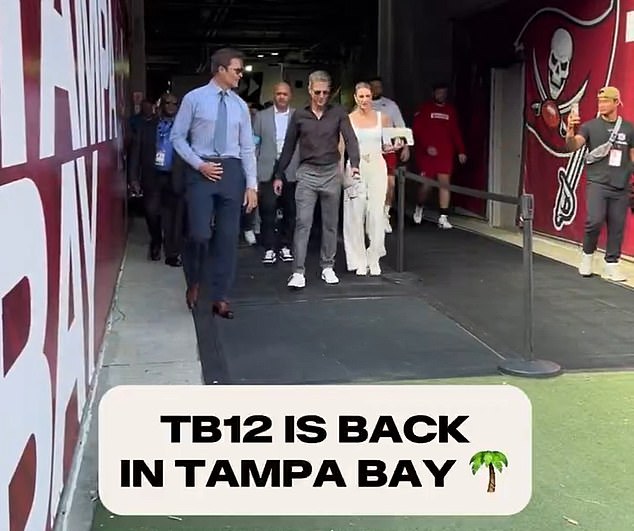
pixel 569 57
pixel 570 54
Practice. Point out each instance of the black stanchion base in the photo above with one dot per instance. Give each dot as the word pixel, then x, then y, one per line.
pixel 530 369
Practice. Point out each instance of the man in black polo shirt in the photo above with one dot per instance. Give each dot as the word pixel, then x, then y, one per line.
pixel 609 165
pixel 318 128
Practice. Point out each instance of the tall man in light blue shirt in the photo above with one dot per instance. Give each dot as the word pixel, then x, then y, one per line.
pixel 212 133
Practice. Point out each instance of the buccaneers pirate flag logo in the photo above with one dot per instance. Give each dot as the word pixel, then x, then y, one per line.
pixel 569 57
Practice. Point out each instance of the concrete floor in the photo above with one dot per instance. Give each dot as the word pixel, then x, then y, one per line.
pixel 151 341
pixel 559 250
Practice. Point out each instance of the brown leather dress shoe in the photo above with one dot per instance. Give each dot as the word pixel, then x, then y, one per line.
pixel 221 308
pixel 191 296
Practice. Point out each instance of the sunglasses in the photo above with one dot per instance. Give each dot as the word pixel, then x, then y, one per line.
pixel 321 92
pixel 171 102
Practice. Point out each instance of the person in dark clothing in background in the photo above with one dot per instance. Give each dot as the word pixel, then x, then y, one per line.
pixel 248 219
pixel 158 170
pixel 269 128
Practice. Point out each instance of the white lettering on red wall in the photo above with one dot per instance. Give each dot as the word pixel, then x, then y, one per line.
pixel 61 234
pixel 12 102
pixel 57 71
pixel 25 386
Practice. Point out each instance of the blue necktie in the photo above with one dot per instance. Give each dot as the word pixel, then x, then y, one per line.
pixel 220 132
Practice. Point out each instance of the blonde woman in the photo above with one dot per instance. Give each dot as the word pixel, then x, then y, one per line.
pixel 363 203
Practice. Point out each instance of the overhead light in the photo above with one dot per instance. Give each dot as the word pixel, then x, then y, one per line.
pixel 260 55
pixel 275 53
pixel 248 68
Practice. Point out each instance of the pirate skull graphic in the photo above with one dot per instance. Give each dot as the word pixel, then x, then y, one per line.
pixel 561 49
pixel 550 107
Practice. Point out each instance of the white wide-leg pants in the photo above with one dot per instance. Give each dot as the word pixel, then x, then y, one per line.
pixel 364 214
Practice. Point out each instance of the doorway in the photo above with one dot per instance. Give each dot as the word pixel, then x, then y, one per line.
pixel 505 148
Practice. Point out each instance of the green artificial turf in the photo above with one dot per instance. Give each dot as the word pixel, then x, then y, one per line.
pixel 583 476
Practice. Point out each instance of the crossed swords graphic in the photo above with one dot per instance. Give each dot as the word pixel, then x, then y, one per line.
pixel 565 208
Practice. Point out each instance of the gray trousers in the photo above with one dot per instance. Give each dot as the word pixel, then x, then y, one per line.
pixel 325 183
pixel 605 204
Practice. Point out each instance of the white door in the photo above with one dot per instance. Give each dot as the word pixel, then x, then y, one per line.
pixel 507 122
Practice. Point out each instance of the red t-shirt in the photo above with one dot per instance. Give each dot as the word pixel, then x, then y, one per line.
pixel 437 126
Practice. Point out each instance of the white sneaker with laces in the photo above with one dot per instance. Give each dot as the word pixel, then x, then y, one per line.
pixel 329 277
pixel 249 236
pixel 585 266
pixel 297 281
pixel 443 223
pixel 375 270
pixel 418 215
pixel 613 272
pixel 286 255
pixel 269 257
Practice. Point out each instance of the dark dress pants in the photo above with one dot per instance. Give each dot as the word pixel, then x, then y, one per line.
pixel 221 201
pixel 164 210
pixel 268 204
pixel 605 204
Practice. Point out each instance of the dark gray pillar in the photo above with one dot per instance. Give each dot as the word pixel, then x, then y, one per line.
pixel 136 10
pixel 385 48
pixel 414 49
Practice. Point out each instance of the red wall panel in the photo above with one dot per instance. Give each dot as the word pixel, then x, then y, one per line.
pixel 63 84
pixel 580 46
pixel 571 52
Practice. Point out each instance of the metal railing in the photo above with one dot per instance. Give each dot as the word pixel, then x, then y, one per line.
pixel 528 366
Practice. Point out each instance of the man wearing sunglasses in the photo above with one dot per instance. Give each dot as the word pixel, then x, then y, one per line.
pixel 157 170
pixel 317 128
pixel 213 133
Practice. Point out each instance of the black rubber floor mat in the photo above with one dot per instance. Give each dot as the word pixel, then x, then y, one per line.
pixel 580 323
pixel 339 341
pixel 465 278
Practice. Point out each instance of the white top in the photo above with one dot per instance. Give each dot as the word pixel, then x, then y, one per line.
pixel 389 107
pixel 281 125
pixel 370 138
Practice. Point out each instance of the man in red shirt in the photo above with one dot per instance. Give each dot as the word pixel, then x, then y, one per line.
pixel 437 141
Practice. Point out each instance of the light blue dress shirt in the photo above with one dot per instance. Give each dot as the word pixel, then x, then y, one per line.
pixel 193 130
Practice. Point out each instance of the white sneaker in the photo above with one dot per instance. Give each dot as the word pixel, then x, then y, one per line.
pixel 269 257
pixel 329 277
pixel 613 272
pixel 362 271
pixel 443 223
pixel 286 255
pixel 297 281
pixel 418 215
pixel 249 236
pixel 585 267
pixel 375 270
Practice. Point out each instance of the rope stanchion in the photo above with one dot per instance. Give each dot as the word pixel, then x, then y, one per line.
pixel 400 237
pixel 527 366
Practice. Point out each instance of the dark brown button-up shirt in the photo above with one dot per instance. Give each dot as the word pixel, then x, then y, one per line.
pixel 318 138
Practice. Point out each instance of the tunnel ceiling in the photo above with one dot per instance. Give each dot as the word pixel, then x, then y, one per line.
pixel 181 34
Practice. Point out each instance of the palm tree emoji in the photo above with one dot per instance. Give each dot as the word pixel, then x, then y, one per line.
pixel 492 460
